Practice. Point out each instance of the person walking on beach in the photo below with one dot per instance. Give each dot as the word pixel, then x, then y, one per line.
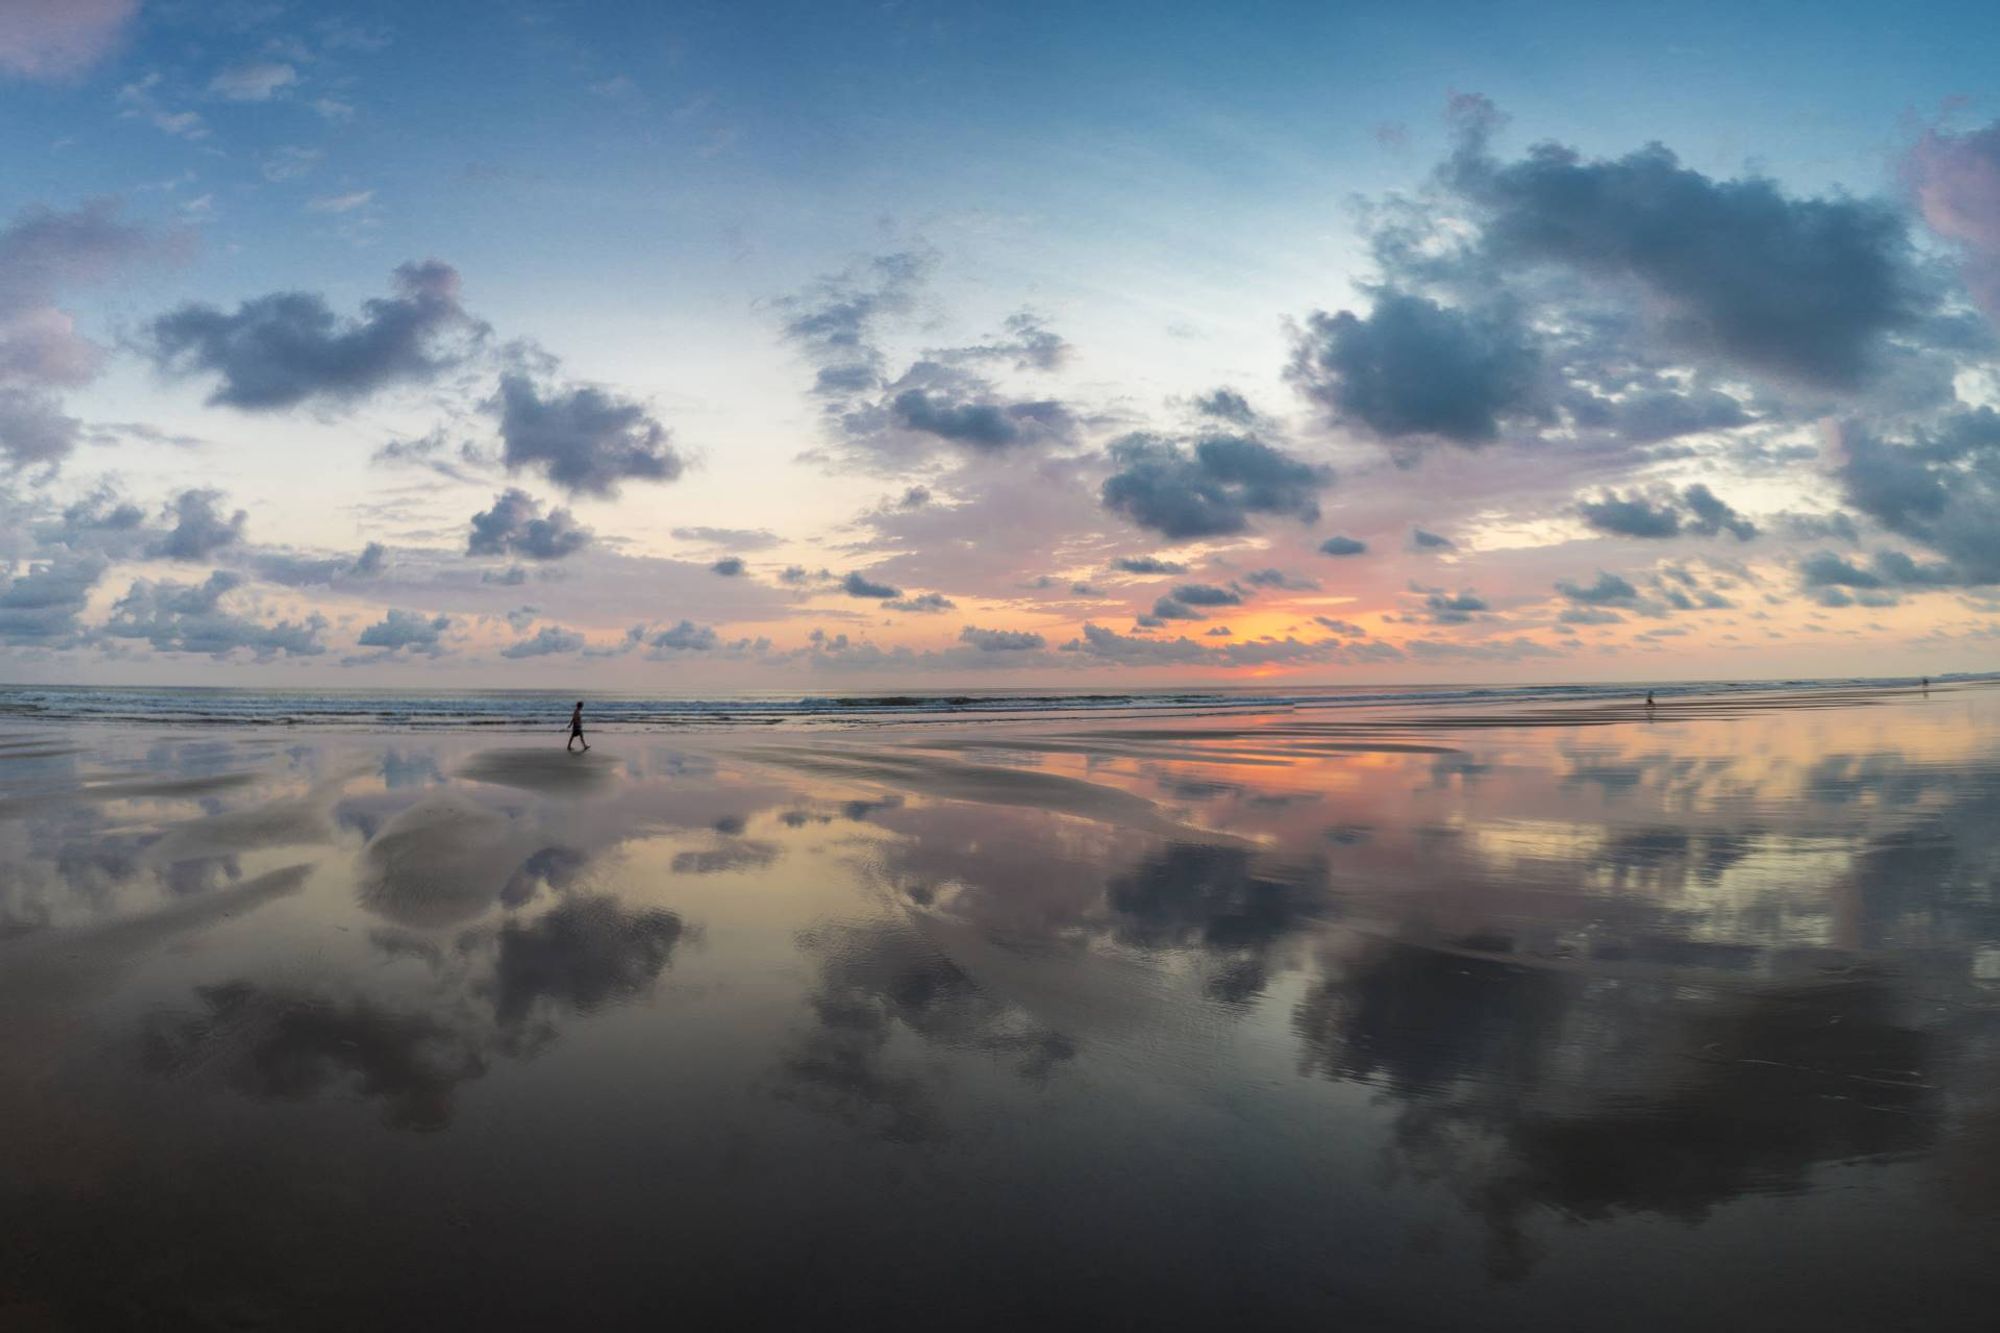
pixel 576 727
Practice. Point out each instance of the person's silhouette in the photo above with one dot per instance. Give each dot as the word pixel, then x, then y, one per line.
pixel 576 727
pixel 1649 699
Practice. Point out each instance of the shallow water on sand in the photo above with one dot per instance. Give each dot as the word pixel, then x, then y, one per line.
pixel 1575 1017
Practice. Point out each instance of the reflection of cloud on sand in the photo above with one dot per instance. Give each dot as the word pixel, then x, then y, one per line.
pixel 438 862
pixel 879 986
pixel 580 955
pixel 280 1045
pixel 1526 1089
pixel 545 769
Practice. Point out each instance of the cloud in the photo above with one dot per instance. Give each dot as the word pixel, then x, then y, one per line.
pixel 1421 540
pixel 1417 368
pixel 1609 589
pixel 287 348
pixel 1172 608
pixel 1211 490
pixel 585 440
pixel 926 603
pixel 515 526
pixel 1341 546
pixel 1028 343
pixel 1802 287
pixel 685 637
pixel 189 618
pixel 1659 514
pixel 855 585
pixel 253 81
pixel 1147 564
pixel 1956 178
pixel 399 630
pixel 1208 594
pixel 42 253
pixel 40 606
pixel 730 566
pixel 1278 578
pixel 550 640
pixel 34 431
pixel 199 529
pixel 1709 515
pixel 59 39
pixel 1939 487
pixel 297 571
pixel 1226 405
pixel 834 323
pixel 1107 645
pixel 981 425
pixel 1454 608
pixel 1001 640
pixel 741 539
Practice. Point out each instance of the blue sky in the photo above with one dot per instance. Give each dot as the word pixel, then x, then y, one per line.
pixel 641 206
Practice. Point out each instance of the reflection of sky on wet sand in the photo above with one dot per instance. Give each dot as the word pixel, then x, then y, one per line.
pixel 1163 1022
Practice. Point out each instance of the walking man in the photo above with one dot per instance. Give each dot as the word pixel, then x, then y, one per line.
pixel 576 727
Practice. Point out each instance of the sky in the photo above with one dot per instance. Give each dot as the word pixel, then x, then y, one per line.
pixel 761 346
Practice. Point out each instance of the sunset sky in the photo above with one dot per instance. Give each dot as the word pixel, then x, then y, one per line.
pixel 830 346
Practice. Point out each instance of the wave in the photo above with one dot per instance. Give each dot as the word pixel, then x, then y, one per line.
pixel 529 711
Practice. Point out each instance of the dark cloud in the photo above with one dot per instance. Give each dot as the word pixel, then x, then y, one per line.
pixel 583 439
pixel 835 322
pixel 199 529
pixel 1208 594
pixel 1696 511
pixel 412 630
pixel 515 526
pixel 1807 288
pixel 1146 564
pixel 1443 608
pixel 928 603
pixel 1940 487
pixel 34 431
pixel 550 640
pixel 1417 368
pixel 297 571
pixel 1278 578
pixel 730 566
pixel 1171 608
pixel 1609 589
pixel 855 585
pixel 1708 515
pixel 1342 546
pixel 189 618
pixel 1650 416
pixel 1210 490
pixel 39 605
pixel 1226 405
pixel 981 425
pixel 1421 540
pixel 1028 343
pixel 283 349
pixel 685 637
pixel 1001 640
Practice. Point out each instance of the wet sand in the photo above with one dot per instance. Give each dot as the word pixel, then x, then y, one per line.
pixel 1554 1017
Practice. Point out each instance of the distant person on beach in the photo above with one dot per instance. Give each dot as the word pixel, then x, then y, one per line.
pixel 576 727
pixel 1649 699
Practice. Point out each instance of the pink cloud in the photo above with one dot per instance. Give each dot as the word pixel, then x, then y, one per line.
pixel 55 39
pixel 1956 178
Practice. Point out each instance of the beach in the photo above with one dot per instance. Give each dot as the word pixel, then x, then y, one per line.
pixel 1494 1012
